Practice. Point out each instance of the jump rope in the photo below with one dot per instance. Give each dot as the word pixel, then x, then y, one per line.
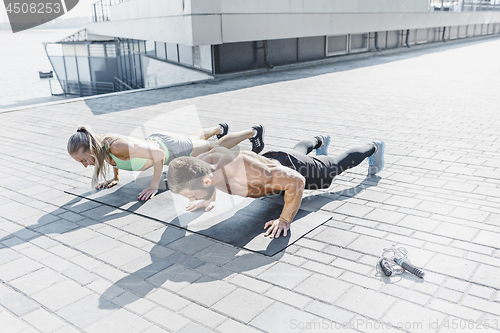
pixel 395 261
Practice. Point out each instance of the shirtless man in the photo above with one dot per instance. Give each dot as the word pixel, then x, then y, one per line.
pixel 247 174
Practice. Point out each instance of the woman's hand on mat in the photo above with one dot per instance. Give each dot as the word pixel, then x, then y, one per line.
pixel 106 184
pixel 197 204
pixel 276 227
pixel 147 194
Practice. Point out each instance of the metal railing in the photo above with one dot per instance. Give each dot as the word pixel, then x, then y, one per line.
pixel 83 88
pixel 464 6
pixel 119 85
pixel 100 9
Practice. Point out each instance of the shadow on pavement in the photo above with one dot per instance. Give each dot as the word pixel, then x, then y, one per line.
pixel 176 270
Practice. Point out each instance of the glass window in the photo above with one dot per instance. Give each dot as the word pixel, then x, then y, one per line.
pixel 58 66
pixel 68 49
pixel 186 54
pixel 71 69
pixel 160 50
pixel 83 68
pixel 54 49
pixel 206 57
pixel 81 50
pixel 172 54
pixel 150 48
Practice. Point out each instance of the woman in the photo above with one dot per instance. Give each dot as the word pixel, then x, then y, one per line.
pixel 127 153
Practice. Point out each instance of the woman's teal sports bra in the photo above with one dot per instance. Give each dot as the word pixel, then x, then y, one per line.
pixel 135 163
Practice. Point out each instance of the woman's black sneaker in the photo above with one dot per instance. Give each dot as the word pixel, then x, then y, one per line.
pixel 225 130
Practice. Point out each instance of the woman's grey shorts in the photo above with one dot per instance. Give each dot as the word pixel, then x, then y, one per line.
pixel 174 145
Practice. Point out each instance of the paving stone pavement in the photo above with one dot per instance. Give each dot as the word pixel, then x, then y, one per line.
pixel 72 265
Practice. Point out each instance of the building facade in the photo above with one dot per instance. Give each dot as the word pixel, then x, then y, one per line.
pixel 149 43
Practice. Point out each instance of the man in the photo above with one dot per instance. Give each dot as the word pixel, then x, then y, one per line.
pixel 247 174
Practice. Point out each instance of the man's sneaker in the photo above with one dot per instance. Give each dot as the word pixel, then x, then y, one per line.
pixel 225 130
pixel 376 161
pixel 323 148
pixel 258 139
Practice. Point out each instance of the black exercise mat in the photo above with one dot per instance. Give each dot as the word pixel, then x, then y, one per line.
pixel 234 220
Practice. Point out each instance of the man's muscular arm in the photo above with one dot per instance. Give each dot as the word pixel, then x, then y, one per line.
pixel 293 184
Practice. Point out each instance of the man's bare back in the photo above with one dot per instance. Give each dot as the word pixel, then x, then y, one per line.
pixel 247 174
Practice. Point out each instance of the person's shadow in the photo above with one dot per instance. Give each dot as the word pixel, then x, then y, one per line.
pixel 161 271
pixel 176 267
pixel 180 269
pixel 56 223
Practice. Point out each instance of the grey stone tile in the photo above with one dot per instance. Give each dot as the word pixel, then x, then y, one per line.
pixel 135 285
pixel 98 245
pixel 17 268
pixel 230 326
pixel 285 275
pixel 487 275
pixel 405 311
pixel 280 318
pixel 207 290
pixel 242 305
pixel 36 281
pixel 86 310
pixel 18 304
pixel 366 302
pixel 218 254
pixel 185 260
pixel 12 324
pixel 44 320
pixel 79 275
pixel 335 236
pixel 7 255
pixel 322 288
pixel 165 235
pixel 194 328
pixel 165 318
pixel 452 266
pixel 146 266
pixel 119 321
pixel 72 217
pixel 250 263
pixel 26 234
pixel 329 311
pixel 202 315
pixel 174 277
pixel 61 294
pixel 121 254
pixel 57 227
pixel 214 271
pixel 190 245
pixel 168 299
pixel 250 283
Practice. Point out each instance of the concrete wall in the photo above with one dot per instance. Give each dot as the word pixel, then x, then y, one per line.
pixel 212 22
pixel 137 9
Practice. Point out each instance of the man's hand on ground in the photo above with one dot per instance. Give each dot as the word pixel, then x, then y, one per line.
pixel 276 227
pixel 147 194
pixel 197 204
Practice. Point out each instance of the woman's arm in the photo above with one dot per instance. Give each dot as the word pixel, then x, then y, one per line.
pixel 127 148
pixel 112 182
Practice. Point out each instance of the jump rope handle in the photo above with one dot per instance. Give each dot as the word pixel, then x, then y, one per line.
pixel 409 267
pixel 386 267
